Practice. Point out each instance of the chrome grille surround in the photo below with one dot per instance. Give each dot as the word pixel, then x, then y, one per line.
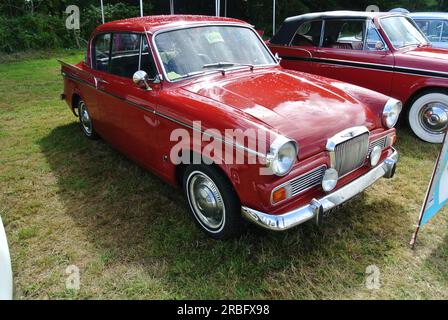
pixel 381 142
pixel 348 149
pixel 302 183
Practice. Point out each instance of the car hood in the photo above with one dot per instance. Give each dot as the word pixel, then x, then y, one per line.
pixel 307 109
pixel 425 58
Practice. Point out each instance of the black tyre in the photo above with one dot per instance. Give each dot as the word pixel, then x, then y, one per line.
pixel 214 204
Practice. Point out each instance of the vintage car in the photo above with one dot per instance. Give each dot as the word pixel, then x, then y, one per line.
pixel 434 25
pixel 146 82
pixel 384 52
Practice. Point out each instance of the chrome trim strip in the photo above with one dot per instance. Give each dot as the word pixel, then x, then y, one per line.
pixel 153 111
pixel 316 208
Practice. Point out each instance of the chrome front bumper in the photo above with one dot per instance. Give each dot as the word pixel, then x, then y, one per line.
pixel 316 208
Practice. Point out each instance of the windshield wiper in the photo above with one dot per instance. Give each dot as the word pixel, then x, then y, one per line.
pixel 225 64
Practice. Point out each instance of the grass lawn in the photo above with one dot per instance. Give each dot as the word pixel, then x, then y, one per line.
pixel 66 201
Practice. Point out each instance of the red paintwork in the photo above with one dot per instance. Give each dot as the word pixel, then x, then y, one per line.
pixel 401 86
pixel 307 108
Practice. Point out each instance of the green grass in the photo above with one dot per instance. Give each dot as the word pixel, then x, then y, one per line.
pixel 66 200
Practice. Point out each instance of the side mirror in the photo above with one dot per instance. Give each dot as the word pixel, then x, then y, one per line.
pixel 277 57
pixel 379 45
pixel 140 78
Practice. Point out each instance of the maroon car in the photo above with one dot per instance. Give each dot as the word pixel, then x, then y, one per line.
pixel 385 52
pixel 241 136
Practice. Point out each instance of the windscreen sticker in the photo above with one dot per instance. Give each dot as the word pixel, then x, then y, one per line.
pixel 214 37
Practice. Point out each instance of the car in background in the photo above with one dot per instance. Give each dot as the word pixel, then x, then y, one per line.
pixel 434 25
pixel 318 142
pixel 384 52
pixel 6 286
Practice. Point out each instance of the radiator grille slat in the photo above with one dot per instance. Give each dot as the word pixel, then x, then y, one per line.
pixel 307 181
pixel 351 154
pixel 381 142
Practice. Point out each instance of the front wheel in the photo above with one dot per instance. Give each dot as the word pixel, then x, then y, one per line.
pixel 214 204
pixel 428 116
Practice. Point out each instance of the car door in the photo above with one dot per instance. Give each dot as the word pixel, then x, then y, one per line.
pixel 300 51
pixel 128 110
pixel 353 51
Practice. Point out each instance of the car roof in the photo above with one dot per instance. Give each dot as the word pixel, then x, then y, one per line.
pixel 291 24
pixel 429 15
pixel 152 24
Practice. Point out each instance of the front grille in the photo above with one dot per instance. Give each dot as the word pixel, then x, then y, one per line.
pixel 351 154
pixel 307 180
pixel 381 142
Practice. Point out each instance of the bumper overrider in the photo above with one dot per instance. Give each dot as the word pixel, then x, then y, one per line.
pixel 318 207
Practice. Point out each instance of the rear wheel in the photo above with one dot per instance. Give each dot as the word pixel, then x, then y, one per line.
pixel 214 204
pixel 428 116
pixel 86 121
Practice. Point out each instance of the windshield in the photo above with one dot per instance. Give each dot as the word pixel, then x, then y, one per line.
pixel 198 50
pixel 402 32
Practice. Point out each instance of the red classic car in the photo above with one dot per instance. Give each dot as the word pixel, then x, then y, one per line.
pixel 166 90
pixel 384 52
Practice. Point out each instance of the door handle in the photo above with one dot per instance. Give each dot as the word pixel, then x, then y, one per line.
pixel 99 80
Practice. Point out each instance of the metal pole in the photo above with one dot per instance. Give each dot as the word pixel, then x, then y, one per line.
pixel 141 8
pixel 102 11
pixel 171 6
pixel 217 7
pixel 273 17
pixel 225 8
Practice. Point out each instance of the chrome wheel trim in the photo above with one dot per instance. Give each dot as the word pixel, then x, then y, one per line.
pixel 206 201
pixel 433 117
pixel 84 117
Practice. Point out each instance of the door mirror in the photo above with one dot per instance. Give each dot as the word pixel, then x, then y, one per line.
pixel 379 45
pixel 140 78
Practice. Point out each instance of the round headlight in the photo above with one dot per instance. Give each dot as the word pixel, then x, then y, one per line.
pixel 282 156
pixel 330 179
pixel 375 155
pixel 391 112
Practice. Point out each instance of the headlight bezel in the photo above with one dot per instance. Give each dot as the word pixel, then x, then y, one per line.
pixel 392 107
pixel 276 147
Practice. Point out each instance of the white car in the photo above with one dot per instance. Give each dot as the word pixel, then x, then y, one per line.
pixel 5 266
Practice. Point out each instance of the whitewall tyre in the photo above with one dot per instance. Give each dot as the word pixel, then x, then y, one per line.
pixel 428 116
pixel 213 203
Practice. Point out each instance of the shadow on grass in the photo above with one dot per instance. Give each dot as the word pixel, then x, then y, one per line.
pixel 133 217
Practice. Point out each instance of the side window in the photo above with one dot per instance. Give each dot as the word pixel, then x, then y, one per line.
pixel 344 34
pixel 101 52
pixel 444 32
pixel 373 40
pixel 308 34
pixel 434 30
pixel 125 54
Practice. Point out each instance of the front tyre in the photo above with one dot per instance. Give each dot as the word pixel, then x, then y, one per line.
pixel 85 121
pixel 428 116
pixel 214 204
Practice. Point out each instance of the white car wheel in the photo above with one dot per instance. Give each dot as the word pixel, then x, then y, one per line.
pixel 428 117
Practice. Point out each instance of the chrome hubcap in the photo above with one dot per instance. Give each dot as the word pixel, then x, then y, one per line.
pixel 206 200
pixel 434 117
pixel 85 118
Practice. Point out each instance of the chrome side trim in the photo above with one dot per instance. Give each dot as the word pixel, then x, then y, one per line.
pixel 317 207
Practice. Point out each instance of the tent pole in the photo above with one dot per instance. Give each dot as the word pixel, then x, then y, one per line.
pixel 102 11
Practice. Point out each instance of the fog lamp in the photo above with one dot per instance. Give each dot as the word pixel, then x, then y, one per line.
pixel 375 155
pixel 330 179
